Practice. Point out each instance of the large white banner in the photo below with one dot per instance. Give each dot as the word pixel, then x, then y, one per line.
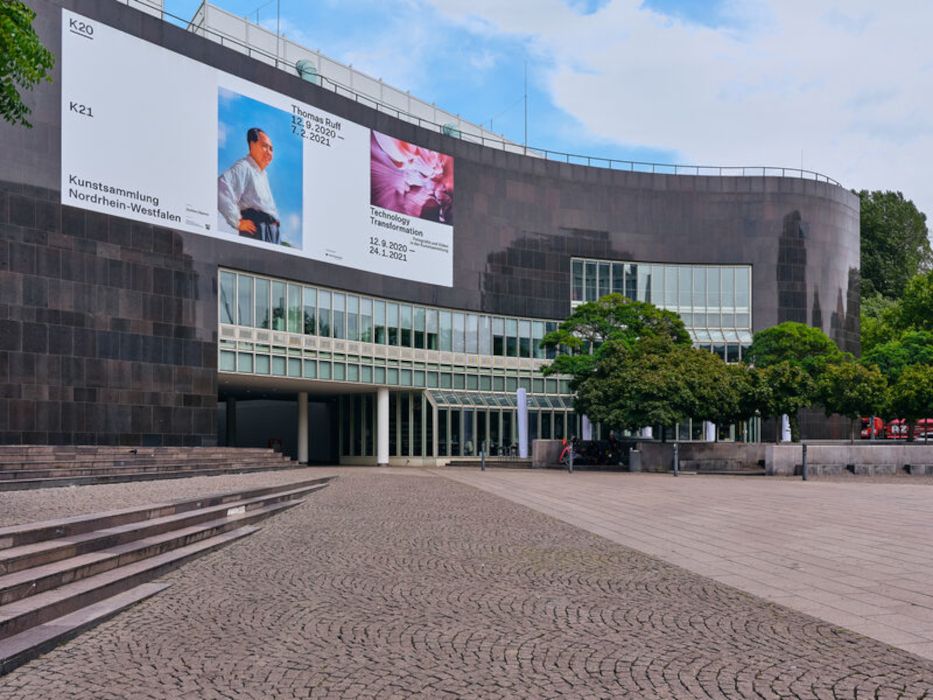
pixel 153 136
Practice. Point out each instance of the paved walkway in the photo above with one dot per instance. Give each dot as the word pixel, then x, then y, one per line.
pixel 407 583
pixel 854 553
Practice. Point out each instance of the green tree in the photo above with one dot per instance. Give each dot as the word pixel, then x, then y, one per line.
pixel 914 311
pixel 790 388
pixel 878 319
pixel 24 61
pixel 652 381
pixel 893 357
pixel 803 346
pixel 852 390
pixel 595 325
pixel 894 243
pixel 912 395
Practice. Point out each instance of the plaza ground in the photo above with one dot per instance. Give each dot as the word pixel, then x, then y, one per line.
pixel 397 582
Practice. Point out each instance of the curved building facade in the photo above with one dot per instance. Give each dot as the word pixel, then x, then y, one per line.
pixel 121 322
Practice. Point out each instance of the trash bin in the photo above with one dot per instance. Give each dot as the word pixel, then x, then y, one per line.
pixel 634 460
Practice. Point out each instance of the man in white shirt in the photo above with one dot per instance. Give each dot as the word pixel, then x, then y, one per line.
pixel 243 194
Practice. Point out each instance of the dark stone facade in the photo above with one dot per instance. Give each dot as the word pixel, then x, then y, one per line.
pixel 108 328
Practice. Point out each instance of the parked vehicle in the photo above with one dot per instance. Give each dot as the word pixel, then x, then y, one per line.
pixel 880 432
pixel 897 429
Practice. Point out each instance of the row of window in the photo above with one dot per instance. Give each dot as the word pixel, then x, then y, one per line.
pixel 352 368
pixel 705 296
pixel 258 302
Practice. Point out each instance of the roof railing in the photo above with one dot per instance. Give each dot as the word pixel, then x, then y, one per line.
pixel 197 25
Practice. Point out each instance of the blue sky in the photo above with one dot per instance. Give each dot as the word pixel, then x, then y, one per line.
pixel 836 86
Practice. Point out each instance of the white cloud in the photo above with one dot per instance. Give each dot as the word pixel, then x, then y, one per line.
pixel 845 84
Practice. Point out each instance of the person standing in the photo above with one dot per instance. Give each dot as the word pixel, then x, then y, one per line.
pixel 244 197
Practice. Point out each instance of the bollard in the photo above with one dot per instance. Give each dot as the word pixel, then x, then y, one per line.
pixel 803 467
pixel 570 461
pixel 676 459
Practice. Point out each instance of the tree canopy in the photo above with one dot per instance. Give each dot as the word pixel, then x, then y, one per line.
pixel 894 356
pixel 799 344
pixel 852 390
pixel 593 326
pixel 24 61
pixel 912 395
pixel 894 243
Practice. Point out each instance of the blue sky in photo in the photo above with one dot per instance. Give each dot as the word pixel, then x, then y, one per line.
pixel 236 115
pixel 712 82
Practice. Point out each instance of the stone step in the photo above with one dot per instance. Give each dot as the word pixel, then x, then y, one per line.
pixel 26 646
pixel 111 478
pixel 39 579
pixel 28 533
pixel 38 609
pixel 39 471
pixel 26 557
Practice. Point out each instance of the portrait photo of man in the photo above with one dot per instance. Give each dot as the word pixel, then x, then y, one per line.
pixel 244 196
pixel 259 195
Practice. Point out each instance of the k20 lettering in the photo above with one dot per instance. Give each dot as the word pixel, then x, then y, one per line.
pixel 79 27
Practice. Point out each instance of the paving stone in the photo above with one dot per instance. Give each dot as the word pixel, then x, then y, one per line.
pixel 400 586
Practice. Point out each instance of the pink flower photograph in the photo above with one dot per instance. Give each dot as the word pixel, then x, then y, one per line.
pixel 411 180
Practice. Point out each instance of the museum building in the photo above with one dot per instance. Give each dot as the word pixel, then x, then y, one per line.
pixel 212 235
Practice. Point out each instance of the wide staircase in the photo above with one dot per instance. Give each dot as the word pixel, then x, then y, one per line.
pixel 61 577
pixel 41 466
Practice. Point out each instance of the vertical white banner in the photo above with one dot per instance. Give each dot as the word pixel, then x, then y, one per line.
pixel 521 400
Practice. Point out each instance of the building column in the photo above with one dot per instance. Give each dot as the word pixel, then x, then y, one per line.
pixel 231 421
pixel 710 430
pixel 302 427
pixel 382 426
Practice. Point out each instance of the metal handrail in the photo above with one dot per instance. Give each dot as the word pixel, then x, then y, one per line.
pixel 501 144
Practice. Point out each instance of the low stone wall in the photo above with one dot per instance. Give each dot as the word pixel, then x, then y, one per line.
pixel 545 453
pixel 786 459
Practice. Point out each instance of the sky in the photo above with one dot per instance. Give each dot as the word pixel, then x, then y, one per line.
pixel 843 87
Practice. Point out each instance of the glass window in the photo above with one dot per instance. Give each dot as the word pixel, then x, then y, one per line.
pixel 379 321
pixel 310 310
pixel 498 336
pixel 294 308
pixel 713 295
pixel 537 333
pixel 603 283
pixel 590 281
pixel 419 327
pixel 430 324
pixel 732 353
pixel 699 287
pixel 643 281
pixel 323 314
pixel 278 306
pixel 392 322
pixel 511 337
pixel 485 336
pixel 728 287
pixel 741 289
pixel 670 286
pixel 657 285
pixel 353 318
pixel 524 338
pixel 618 278
pixel 550 327
pixel 442 432
pixel 244 300
pixel 404 322
pixel 262 303
pixel 227 297
pixel 366 320
pixel 684 285
pixel 446 331
pixel 577 276
pixel 631 282
pixel 458 324
pixel 471 339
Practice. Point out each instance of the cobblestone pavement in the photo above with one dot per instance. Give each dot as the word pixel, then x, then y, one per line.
pixel 393 586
